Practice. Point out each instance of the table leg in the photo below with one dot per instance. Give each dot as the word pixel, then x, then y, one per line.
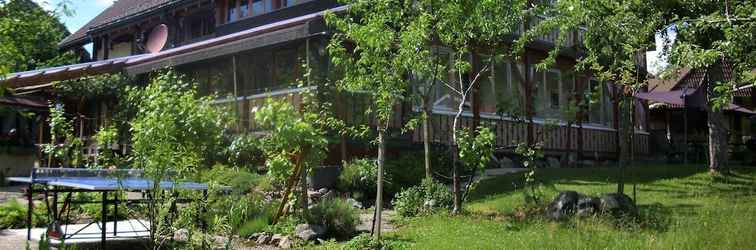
pixel 29 208
pixel 115 215
pixel 103 219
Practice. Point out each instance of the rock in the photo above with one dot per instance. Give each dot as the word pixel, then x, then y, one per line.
pixel 563 205
pixel 181 235
pixel 617 204
pixel 220 242
pixel 263 239
pixel 355 203
pixel 254 236
pixel 276 239
pixel 587 206
pixel 330 194
pixel 309 232
pixel 286 243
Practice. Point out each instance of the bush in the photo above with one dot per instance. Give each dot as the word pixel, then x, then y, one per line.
pixel 240 180
pixel 244 152
pixel 13 215
pixel 426 198
pixel 358 177
pixel 338 216
pixel 365 241
pixel 256 225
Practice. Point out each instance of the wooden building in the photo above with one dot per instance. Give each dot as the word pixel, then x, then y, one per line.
pixel 248 50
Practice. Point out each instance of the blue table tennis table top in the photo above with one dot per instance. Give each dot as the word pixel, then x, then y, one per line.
pixel 108 183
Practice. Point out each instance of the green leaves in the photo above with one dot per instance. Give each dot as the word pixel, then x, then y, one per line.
pixel 290 134
pixel 174 129
pixel 476 150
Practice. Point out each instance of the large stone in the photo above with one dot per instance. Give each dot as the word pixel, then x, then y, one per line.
pixel 309 231
pixel 276 239
pixel 355 203
pixel 617 204
pixel 263 239
pixel 181 235
pixel 564 205
pixel 587 206
pixel 220 242
pixel 286 242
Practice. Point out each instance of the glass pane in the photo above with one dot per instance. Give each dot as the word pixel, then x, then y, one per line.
pixel 518 97
pixel 552 94
pixel 268 5
pixel 243 8
pixel 539 93
pixel 258 7
pixel 489 90
pixel 287 67
pixel 607 105
pixel 231 14
pixel 595 102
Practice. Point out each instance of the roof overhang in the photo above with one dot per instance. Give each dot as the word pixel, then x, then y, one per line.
pixel 29 79
pixel 258 37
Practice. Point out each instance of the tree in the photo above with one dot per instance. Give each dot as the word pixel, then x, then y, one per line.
pixel 716 37
pixel 29 36
pixel 709 33
pixel 469 29
pixel 615 32
pixel 175 135
pixel 294 145
pixel 377 44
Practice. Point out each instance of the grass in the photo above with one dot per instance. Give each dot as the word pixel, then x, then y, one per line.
pixel 681 207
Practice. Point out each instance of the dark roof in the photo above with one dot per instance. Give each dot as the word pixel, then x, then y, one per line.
pixel 120 10
pixel 28 78
pixel 26 101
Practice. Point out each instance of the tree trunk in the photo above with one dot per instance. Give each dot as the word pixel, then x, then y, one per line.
pixel 717 140
pixel 304 203
pixel 379 191
pixel 455 183
pixel 426 140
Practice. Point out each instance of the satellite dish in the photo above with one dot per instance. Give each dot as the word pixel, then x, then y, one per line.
pixel 157 39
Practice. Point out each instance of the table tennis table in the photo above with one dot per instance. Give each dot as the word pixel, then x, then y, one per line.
pixel 54 181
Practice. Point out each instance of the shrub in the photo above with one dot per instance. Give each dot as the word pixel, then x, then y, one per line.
pixel 365 241
pixel 359 178
pixel 13 215
pixel 244 152
pixel 256 225
pixel 240 180
pixel 426 198
pixel 338 216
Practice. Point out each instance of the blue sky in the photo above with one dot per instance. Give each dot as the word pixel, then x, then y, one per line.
pixel 84 10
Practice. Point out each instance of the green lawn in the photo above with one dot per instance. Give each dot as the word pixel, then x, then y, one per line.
pixel 681 207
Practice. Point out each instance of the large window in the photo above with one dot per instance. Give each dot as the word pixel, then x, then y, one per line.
pixel 237 9
pixel 501 93
pixel 600 108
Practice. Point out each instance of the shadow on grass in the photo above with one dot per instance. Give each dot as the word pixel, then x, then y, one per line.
pixel 645 174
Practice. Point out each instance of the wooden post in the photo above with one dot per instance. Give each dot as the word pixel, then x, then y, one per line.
pixel 290 183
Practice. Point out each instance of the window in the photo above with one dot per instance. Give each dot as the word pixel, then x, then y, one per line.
pixel 244 8
pixel 258 7
pixel 237 9
pixel 600 108
pixel 287 66
pixel 232 14
pixel 502 92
